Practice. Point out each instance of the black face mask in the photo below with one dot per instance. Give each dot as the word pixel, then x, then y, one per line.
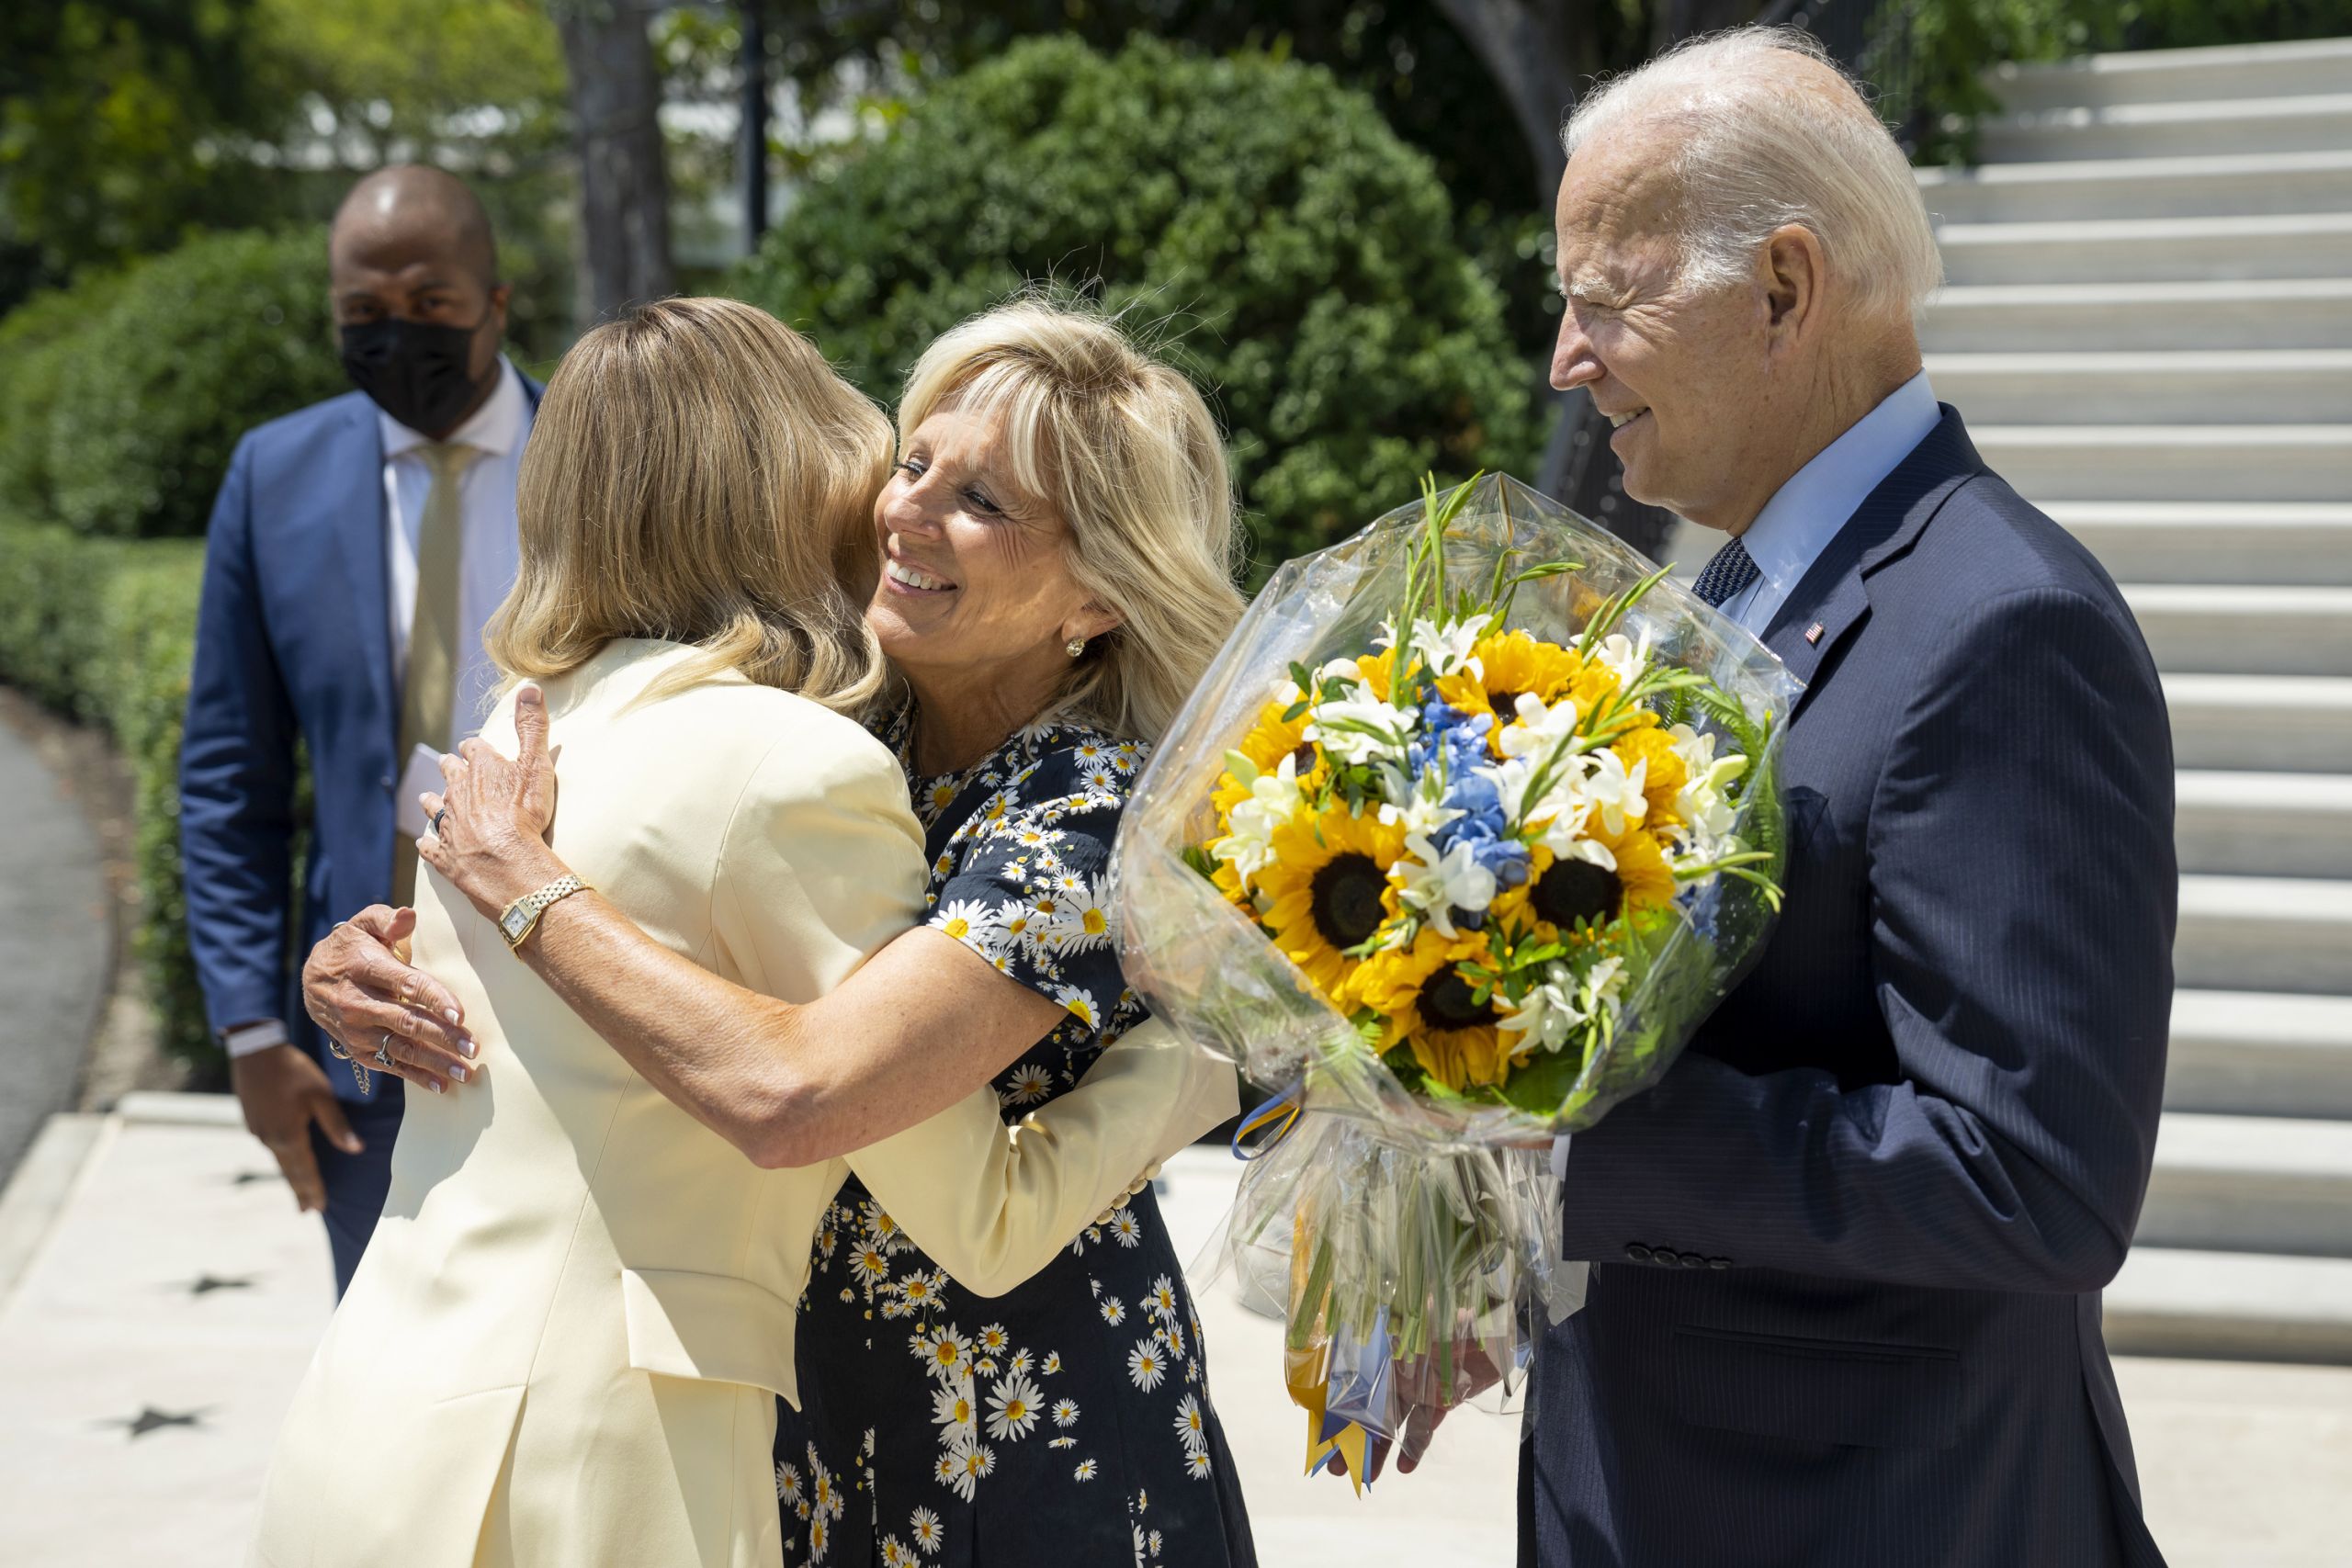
pixel 419 372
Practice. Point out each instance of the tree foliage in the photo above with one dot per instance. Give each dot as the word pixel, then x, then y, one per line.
pixel 198 347
pixel 128 126
pixel 120 122
pixel 1302 258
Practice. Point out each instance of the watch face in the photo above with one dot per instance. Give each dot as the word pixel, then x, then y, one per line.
pixel 515 922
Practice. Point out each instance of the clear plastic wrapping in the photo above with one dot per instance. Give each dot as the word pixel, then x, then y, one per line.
pixel 1470 824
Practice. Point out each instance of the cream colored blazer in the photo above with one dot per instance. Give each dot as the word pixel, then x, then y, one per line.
pixel 561 1348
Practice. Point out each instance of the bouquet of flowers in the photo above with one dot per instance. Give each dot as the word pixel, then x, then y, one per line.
pixel 1469 825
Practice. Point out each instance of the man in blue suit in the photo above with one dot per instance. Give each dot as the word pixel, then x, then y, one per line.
pixel 1847 1256
pixel 355 552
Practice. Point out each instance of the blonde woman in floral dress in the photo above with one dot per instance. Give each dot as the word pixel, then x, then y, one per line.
pixel 1054 575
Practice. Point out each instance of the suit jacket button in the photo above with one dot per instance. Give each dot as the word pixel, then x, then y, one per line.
pixel 1638 1252
pixel 386 781
pixel 1693 1260
pixel 1718 1262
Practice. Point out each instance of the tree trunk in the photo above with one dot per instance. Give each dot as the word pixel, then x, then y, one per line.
pixel 1537 54
pixel 624 183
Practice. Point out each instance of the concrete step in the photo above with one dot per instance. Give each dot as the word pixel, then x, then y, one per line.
pixel 2257 1053
pixel 2161 75
pixel 2288 385
pixel 2194 314
pixel 2250 1184
pixel 2208 541
pixel 2184 462
pixel 2230 1305
pixel 2264 247
pixel 2245 824
pixel 2297 123
pixel 2261 723
pixel 2244 630
pixel 2229 184
pixel 2264 933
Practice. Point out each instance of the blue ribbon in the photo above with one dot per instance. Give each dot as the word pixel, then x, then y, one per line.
pixel 1281 1114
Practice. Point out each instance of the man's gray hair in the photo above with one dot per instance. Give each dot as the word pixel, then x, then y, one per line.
pixel 1768 131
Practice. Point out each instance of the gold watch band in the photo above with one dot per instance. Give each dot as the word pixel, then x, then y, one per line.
pixel 522 917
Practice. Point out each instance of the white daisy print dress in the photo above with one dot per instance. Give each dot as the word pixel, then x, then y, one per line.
pixel 1069 1420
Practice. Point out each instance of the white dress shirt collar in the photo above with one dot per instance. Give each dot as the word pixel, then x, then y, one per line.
pixel 1806 512
pixel 495 428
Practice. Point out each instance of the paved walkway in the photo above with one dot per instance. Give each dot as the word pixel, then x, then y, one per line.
pixel 159 1297
pixel 56 948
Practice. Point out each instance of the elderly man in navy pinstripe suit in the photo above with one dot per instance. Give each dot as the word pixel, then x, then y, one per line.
pixel 1846 1256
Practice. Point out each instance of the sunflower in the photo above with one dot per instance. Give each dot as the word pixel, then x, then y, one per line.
pixel 1515 663
pixel 1270 739
pixel 1571 891
pixel 1666 773
pixel 1594 686
pixel 1422 999
pixel 1326 890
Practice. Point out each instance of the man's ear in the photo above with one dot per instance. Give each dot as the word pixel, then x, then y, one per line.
pixel 1791 268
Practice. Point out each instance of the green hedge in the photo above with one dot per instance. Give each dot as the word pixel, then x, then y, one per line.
pixel 1304 256
pixel 104 631
pixel 38 340
pixel 171 364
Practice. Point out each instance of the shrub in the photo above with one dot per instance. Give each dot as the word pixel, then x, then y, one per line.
pixel 1304 255
pixel 103 630
pixel 38 340
pixel 199 347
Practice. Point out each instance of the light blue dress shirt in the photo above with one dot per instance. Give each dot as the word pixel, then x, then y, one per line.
pixel 1805 513
pixel 1800 519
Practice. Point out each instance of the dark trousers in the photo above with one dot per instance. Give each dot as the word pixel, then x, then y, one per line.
pixel 356 1183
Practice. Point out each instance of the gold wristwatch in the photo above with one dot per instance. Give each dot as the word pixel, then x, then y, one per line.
pixel 522 917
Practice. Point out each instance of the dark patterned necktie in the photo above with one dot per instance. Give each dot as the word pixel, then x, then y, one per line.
pixel 1731 570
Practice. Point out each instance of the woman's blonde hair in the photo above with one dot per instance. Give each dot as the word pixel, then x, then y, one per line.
pixel 696 473
pixel 1126 450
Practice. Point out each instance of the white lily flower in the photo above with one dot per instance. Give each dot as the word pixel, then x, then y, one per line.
pixel 1548 1013
pixel 1447 647
pixel 1626 658
pixel 1346 670
pixel 1360 730
pixel 1422 815
pixel 1614 790
pixel 1436 885
pixel 1603 989
pixel 1274 798
pixel 1569 837
pixel 1540 729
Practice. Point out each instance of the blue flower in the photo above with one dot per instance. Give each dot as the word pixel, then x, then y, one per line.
pixel 1460 739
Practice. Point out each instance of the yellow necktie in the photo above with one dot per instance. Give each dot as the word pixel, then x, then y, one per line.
pixel 430 691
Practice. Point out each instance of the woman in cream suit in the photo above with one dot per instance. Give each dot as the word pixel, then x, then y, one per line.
pixel 562 1345
pixel 1049 572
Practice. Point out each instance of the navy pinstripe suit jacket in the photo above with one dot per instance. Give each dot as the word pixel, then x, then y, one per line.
pixel 1848 1254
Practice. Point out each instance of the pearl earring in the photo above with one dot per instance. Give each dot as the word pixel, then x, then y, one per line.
pixel 1074 646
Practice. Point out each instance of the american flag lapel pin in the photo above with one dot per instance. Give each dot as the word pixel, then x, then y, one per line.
pixel 1812 633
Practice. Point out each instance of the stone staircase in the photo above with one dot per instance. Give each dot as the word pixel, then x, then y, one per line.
pixel 2149 327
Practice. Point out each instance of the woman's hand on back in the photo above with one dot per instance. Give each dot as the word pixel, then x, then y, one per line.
pixel 490 822
pixel 358 986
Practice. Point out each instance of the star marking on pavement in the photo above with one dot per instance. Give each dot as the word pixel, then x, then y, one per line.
pixel 150 1419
